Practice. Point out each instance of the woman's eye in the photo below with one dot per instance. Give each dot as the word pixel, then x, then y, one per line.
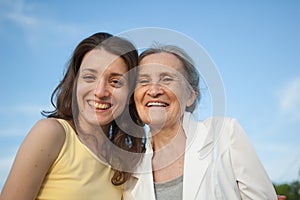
pixel 167 79
pixel 89 78
pixel 117 83
pixel 143 81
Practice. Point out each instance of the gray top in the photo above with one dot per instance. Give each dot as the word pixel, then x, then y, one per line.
pixel 171 190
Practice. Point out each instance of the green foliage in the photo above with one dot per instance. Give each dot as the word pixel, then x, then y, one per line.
pixel 291 190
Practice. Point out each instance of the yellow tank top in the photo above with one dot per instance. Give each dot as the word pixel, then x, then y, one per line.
pixel 78 174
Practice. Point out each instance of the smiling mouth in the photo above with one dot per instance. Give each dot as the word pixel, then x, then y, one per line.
pixel 156 104
pixel 102 106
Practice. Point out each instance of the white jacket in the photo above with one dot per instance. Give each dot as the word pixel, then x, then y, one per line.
pixel 220 163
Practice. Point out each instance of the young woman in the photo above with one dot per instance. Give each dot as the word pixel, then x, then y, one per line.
pixel 74 153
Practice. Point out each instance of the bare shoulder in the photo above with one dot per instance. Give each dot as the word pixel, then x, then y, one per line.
pixel 48 133
pixel 49 126
pixel 50 123
pixel 36 154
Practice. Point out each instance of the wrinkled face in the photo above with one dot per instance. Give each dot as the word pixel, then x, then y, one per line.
pixel 102 88
pixel 162 93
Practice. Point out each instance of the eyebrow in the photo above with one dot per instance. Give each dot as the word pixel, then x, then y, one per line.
pixel 168 74
pixel 144 75
pixel 160 75
pixel 89 69
pixel 95 71
pixel 117 74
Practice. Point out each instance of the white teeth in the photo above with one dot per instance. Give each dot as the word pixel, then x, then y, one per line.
pixel 156 104
pixel 101 105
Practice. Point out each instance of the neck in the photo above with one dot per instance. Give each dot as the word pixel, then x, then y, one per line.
pixel 168 145
pixel 164 136
pixel 94 137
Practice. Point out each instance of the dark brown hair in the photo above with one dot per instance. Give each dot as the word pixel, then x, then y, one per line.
pixel 65 105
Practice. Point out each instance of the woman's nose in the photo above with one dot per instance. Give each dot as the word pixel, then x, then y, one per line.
pixel 155 89
pixel 102 89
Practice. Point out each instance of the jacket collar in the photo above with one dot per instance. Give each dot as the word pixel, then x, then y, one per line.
pixel 196 156
pixel 198 146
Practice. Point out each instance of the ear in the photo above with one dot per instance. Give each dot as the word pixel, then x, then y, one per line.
pixel 191 98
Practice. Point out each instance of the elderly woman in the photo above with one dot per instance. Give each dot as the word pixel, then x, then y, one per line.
pixel 187 159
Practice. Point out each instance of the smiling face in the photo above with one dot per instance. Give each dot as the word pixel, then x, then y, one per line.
pixel 102 88
pixel 162 93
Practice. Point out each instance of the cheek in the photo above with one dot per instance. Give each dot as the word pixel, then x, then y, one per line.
pixel 138 95
pixel 138 102
pixel 84 88
pixel 177 94
pixel 79 94
pixel 121 97
pixel 140 109
pixel 180 97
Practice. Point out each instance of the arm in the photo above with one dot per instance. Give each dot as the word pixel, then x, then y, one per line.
pixel 35 156
pixel 251 176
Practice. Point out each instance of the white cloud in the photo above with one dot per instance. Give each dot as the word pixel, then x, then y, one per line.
pixel 10 132
pixel 290 100
pixel 21 118
pixel 30 109
pixel 16 13
pixel 37 29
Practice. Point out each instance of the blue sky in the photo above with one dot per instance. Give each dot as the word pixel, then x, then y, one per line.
pixel 254 44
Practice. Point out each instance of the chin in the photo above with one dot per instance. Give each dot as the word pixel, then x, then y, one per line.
pixel 157 124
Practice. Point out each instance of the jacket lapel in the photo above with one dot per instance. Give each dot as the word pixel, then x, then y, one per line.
pixel 140 185
pixel 197 157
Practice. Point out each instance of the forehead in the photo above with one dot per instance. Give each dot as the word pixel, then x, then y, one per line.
pixel 101 60
pixel 162 62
